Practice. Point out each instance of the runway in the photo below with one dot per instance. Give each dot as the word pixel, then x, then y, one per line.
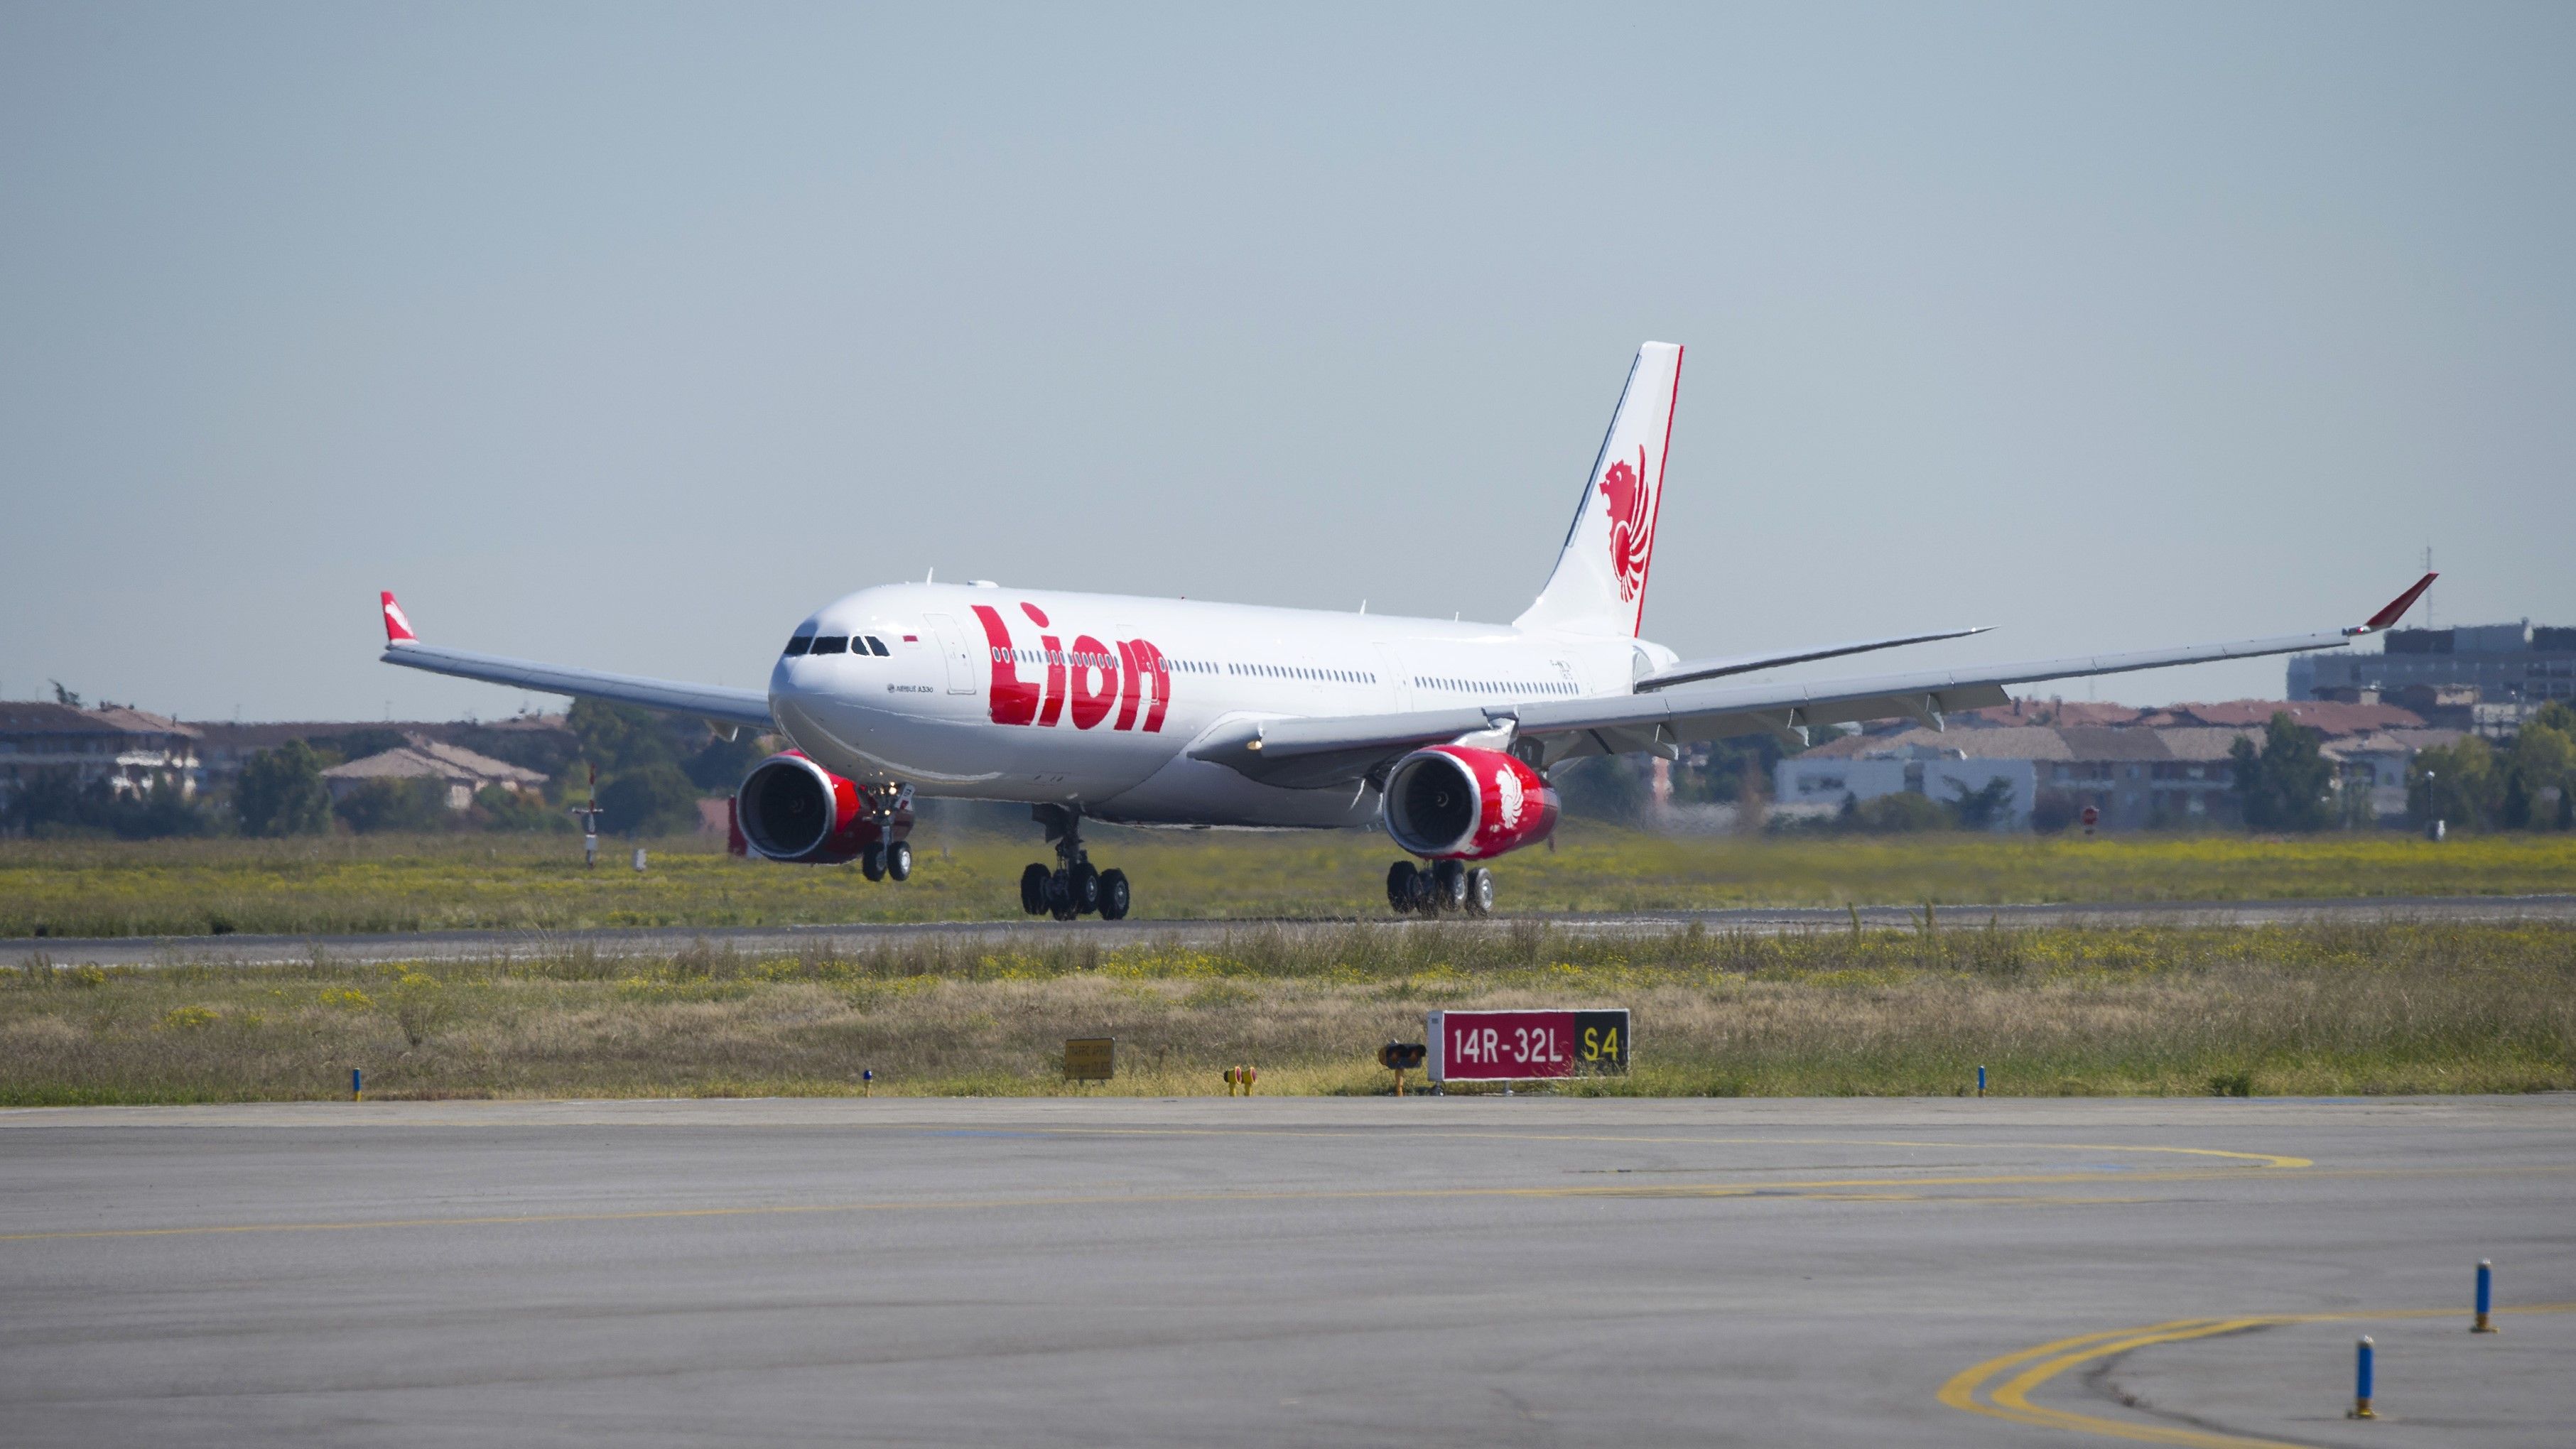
pixel 789 940
pixel 1425 1271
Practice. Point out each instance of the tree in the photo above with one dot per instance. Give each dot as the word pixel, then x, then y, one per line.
pixel 498 809
pixel 64 696
pixel 48 801
pixel 2459 783
pixel 409 805
pixel 1603 787
pixel 620 737
pixel 1984 808
pixel 655 800
pixel 280 792
pixel 157 812
pixel 2543 759
pixel 1902 813
pixel 2284 784
pixel 721 765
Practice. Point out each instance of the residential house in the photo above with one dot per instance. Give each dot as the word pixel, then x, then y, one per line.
pixel 129 749
pixel 419 757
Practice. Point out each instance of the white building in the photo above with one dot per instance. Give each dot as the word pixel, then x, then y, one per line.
pixel 1865 769
pixel 127 748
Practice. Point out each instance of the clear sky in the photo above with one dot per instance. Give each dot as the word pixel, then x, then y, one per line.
pixel 623 336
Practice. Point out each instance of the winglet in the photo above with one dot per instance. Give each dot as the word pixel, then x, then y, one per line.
pixel 2395 611
pixel 397 628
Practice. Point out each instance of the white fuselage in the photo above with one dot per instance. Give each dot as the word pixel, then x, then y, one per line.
pixel 1093 700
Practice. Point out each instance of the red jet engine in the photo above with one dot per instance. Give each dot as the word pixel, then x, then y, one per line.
pixel 1450 802
pixel 791 809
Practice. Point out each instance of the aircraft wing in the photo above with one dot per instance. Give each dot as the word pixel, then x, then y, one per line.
pixel 1321 753
pixel 744 707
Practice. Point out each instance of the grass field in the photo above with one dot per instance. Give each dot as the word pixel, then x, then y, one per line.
pixel 377 883
pixel 2308 1009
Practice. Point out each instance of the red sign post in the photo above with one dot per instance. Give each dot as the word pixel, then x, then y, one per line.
pixel 1509 1046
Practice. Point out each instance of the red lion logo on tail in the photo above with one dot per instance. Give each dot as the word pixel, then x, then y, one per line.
pixel 1632 523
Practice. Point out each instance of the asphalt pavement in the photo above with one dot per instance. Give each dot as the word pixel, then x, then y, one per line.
pixel 1213 1271
pixel 662 941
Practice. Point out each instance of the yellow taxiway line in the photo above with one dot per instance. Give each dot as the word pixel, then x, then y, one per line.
pixel 2042 1362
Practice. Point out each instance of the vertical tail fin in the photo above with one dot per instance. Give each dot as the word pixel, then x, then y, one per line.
pixel 1599 586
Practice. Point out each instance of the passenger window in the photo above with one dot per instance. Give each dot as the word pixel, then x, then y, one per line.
pixel 832 644
pixel 799 645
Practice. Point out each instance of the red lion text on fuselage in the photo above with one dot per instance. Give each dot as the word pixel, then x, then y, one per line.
pixel 1129 679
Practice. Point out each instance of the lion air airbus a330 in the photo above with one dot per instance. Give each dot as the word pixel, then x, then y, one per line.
pixel 1175 712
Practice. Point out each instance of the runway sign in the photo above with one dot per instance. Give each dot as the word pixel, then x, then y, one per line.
pixel 1090 1058
pixel 1509 1046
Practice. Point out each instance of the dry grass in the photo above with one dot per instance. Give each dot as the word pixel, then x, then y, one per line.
pixel 361 884
pixel 2386 1007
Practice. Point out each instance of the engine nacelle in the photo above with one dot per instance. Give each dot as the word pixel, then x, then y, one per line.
pixel 791 809
pixel 1450 802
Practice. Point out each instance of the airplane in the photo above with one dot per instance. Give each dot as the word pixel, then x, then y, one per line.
pixel 1173 712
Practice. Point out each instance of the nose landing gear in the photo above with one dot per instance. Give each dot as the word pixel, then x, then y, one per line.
pixel 1442 886
pixel 889 855
pixel 1073 888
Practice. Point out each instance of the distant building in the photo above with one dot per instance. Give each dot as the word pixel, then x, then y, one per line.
pixel 1918 762
pixel 128 748
pixel 2163 767
pixel 225 747
pixel 2503 663
pixel 464 772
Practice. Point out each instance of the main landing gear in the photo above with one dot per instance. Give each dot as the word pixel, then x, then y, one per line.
pixel 1073 888
pixel 1442 886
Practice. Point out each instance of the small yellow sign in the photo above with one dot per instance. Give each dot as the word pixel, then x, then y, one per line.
pixel 1090 1058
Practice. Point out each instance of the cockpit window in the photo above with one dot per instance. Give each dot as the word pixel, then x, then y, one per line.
pixel 877 646
pixel 799 645
pixel 832 644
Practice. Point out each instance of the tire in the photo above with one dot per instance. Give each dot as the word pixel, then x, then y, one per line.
pixel 1449 885
pixel 899 860
pixel 1480 892
pixel 872 862
pixel 1060 895
pixel 1033 889
pixel 1113 895
pixel 1086 889
pixel 1426 892
pixel 1400 886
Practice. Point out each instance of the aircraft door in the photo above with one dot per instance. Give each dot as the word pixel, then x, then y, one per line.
pixel 952 647
pixel 1399 685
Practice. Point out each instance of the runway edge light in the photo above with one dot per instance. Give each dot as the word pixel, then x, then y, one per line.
pixel 2361 1376
pixel 2486 1296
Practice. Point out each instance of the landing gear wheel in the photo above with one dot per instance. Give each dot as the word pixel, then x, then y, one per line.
pixel 1401 887
pixel 1086 888
pixel 1113 895
pixel 1033 889
pixel 898 859
pixel 1060 899
pixel 872 862
pixel 1480 892
pixel 1449 885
